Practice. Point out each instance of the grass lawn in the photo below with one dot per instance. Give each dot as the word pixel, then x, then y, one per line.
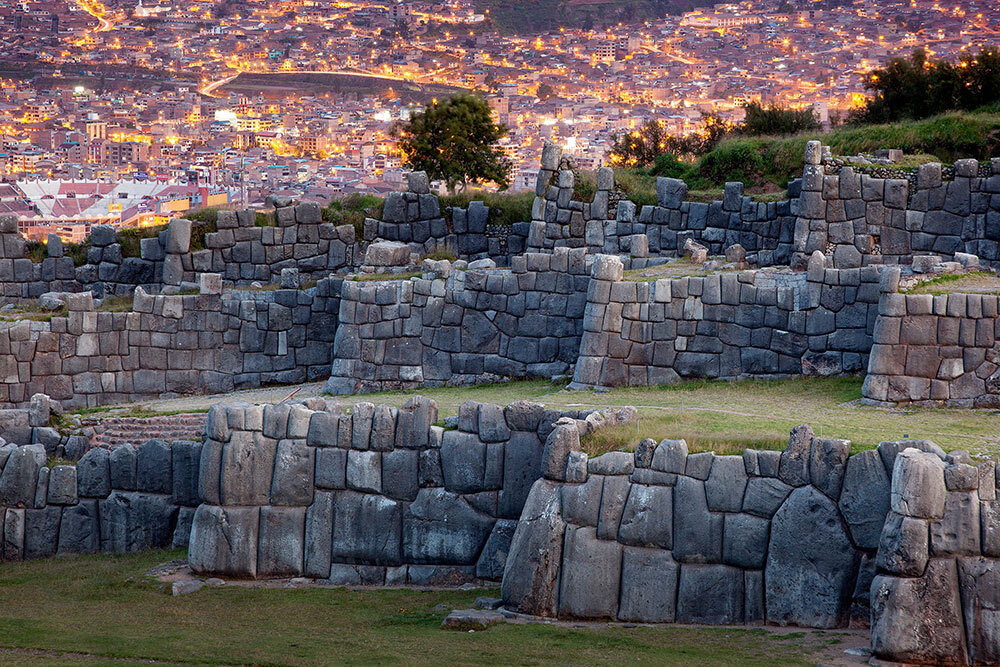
pixel 89 609
pixel 729 416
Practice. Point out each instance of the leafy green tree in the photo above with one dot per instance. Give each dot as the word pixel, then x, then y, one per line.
pixel 917 87
pixel 455 140
pixel 773 119
pixel 544 92
pixel 642 147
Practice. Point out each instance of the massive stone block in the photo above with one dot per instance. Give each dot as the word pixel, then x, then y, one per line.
pixel 224 540
pixel 647 520
pixel 811 564
pixel 281 538
pixel 697 533
pixel 864 500
pixel 531 575
pixel 919 620
pixel 591 575
pixel 648 586
pixel 979 583
pixel 711 594
pixel 132 522
pixel 494 554
pixel 366 528
pixel 439 527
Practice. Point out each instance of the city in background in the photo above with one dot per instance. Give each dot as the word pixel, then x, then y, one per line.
pixel 130 114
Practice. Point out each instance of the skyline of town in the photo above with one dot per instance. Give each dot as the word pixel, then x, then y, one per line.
pixel 230 102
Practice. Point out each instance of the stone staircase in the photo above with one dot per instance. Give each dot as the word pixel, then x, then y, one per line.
pixel 114 431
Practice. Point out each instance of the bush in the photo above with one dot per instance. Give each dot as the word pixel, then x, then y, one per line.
pixel 131 238
pixel 505 208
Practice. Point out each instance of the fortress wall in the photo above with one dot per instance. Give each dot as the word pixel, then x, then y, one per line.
pixel 127 500
pixel 239 250
pixel 170 344
pixel 935 349
pixel 729 325
pixel 373 495
pixel 470 327
pixel 661 535
pixel 934 600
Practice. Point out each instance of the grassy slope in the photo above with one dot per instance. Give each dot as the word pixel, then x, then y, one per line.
pixel 775 160
pixel 101 607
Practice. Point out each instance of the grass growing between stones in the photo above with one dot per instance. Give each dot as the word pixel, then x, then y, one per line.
pixel 91 609
pixel 974 282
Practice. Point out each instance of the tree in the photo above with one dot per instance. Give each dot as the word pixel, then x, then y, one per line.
pixel 642 147
pixel 455 140
pixel 776 120
pixel 544 92
pixel 917 87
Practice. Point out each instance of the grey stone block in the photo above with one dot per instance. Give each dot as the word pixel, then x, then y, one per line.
pixel 93 474
pixel 710 594
pixel 647 520
pixel 809 582
pixel 864 500
pixel 122 463
pixel 154 472
pixel 591 575
pixel 281 541
pixel 366 528
pixel 441 528
pixel 726 484
pixel 224 541
pixel 531 575
pixel 648 586
pixel 697 533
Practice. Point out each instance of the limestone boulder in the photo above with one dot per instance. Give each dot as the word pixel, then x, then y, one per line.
pixel 531 574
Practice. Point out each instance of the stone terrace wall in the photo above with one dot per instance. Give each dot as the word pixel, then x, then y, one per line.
pixel 935 349
pixel 727 325
pixel 471 326
pixel 374 495
pixel 201 343
pixel 660 535
pixel 124 500
pixel 934 600
pixel 861 220
pixel 764 229
pixel 240 251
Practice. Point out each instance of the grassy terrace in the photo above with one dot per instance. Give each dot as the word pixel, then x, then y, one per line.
pixel 93 610
pixel 711 415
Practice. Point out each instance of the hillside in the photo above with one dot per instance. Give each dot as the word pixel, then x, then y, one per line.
pixel 534 16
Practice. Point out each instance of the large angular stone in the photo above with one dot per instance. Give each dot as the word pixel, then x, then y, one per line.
pixel 494 554
pixel 247 468
pixel 281 541
pixel 903 548
pixel 79 530
pixel 794 466
pixel 591 575
pixel 710 594
pixel 132 522
pixel 563 439
pixel 726 483
pixel 366 528
pixel 20 476
pixel 864 499
pixel 809 581
pixel 186 462
pixel 827 462
pixel 400 474
pixel 648 586
pixel 122 462
pixel 294 469
pixel 764 496
pixel 224 541
pixel 41 532
pixel 957 532
pixel 581 503
pixel 154 471
pixel 697 533
pixel 522 466
pixel 318 535
pixel 918 487
pixel 979 582
pixel 919 619
pixel 745 539
pixel 463 462
pixel 613 497
pixel 647 520
pixel 441 528
pixel 531 574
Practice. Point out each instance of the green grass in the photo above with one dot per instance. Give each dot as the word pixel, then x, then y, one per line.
pixel 729 416
pixel 506 208
pixel 977 282
pixel 88 609
pixel 131 239
pixel 769 162
pixel 381 277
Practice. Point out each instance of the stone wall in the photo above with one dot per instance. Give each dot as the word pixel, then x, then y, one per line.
pixel 467 327
pixel 170 344
pixel 935 349
pixel 125 500
pixel 374 495
pixel 661 535
pixel 861 220
pixel 726 325
pixel 934 600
